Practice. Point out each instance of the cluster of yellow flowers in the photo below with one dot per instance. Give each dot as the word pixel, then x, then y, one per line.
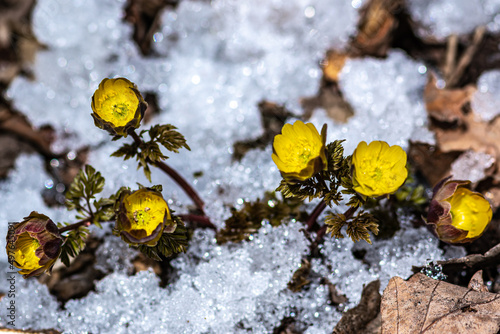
pixel 377 169
pixel 141 217
pixel 300 152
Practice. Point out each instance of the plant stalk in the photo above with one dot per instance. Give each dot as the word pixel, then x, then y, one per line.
pixel 176 177
pixel 76 225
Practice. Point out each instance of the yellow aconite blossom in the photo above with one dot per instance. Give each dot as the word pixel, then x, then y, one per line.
pixel 470 212
pixel 458 214
pixel 143 216
pixel 117 106
pixel 378 169
pixel 299 151
pixel 34 245
pixel 24 254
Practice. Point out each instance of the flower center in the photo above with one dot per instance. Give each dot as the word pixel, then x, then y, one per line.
pixel 142 217
pixel 24 255
pixel 120 110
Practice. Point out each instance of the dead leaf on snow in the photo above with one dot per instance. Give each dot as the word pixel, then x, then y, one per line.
pixel 446 105
pixel 273 117
pixel 425 305
pixel 333 64
pixel 145 16
pixel 477 283
pixel 432 162
pixel 477 135
pixel 375 28
pixel 331 100
pixel 356 319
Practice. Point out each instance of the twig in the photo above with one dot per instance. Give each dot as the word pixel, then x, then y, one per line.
pixel 451 55
pixel 466 57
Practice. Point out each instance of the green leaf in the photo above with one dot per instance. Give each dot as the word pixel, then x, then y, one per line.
pixel 169 243
pixel 248 220
pixel 74 244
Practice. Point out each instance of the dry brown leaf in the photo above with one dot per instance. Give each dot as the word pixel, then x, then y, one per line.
pixel 446 105
pixel 356 319
pixel 477 283
pixel 329 98
pixel 477 135
pixel 425 305
pixel 375 28
pixel 273 117
pixel 145 16
pixel 431 161
pixel 333 64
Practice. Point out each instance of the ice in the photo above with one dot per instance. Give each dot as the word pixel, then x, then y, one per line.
pixel 486 101
pixel 441 18
pixel 212 63
pixel 471 166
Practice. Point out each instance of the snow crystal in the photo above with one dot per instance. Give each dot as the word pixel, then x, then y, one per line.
pixel 471 166
pixel 486 101
pixel 441 18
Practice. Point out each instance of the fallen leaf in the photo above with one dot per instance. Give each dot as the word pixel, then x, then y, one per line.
pixel 333 64
pixel 432 162
pixel 336 297
pixel 446 105
pixel 331 100
pixel 476 135
pixel 375 28
pixel 425 305
pixel 273 117
pixel 300 277
pixel 477 283
pixel 355 320
pixel 145 16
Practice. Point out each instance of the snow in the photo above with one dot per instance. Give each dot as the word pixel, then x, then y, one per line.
pixel 471 166
pixel 214 61
pixel 486 101
pixel 440 18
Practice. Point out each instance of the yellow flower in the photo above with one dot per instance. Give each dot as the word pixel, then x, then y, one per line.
pixel 299 151
pixel 118 106
pixel 142 217
pixel 34 245
pixel 458 214
pixel 378 169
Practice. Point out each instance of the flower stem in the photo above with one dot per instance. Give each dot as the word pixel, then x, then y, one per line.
pixel 76 225
pixel 176 177
pixel 201 221
pixel 315 214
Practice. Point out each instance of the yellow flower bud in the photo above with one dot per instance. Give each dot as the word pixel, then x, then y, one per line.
pixel 117 106
pixel 378 169
pixel 34 245
pixel 458 214
pixel 142 217
pixel 299 151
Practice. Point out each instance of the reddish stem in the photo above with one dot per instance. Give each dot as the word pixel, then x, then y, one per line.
pixel 176 177
pixel 74 226
pixel 315 214
pixel 202 221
